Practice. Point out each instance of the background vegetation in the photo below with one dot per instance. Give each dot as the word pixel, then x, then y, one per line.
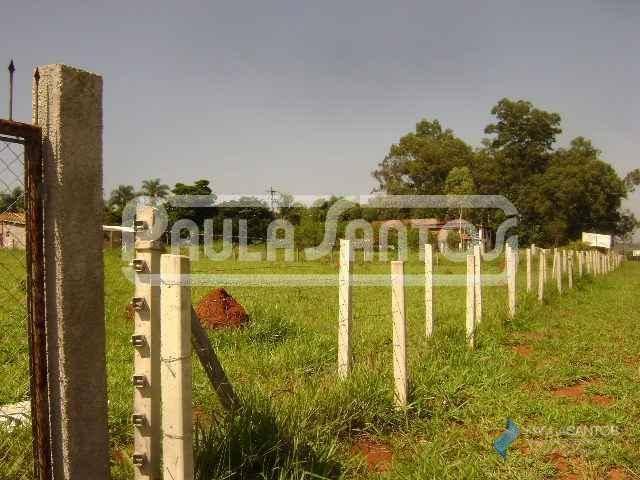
pixel 559 191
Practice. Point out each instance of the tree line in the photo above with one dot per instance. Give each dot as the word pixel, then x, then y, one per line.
pixel 559 191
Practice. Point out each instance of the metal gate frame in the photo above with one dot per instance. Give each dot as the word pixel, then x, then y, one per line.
pixel 31 137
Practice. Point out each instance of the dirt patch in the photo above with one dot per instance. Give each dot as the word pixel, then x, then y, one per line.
pixel 377 455
pixel 218 309
pixel 560 462
pixel 601 400
pixel 568 468
pixel 523 447
pixel 617 474
pixel 575 392
pixel 523 350
pixel 578 393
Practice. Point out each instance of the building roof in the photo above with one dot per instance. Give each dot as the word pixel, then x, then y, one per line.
pixel 13 217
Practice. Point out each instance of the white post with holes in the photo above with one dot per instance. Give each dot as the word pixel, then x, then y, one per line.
pixel 344 309
pixel 399 334
pixel 146 358
pixel 177 412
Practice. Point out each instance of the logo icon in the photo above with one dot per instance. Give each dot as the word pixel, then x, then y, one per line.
pixel 506 438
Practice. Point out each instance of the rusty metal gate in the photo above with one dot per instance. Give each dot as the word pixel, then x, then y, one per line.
pixel 23 358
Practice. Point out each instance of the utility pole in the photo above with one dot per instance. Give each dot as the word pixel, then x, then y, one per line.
pixel 272 194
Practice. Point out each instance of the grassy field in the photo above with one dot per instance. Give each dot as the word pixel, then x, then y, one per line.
pixel 558 368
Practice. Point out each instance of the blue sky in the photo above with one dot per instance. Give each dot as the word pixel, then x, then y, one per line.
pixel 307 96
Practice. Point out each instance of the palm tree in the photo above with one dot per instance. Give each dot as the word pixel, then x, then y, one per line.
pixel 153 188
pixel 119 198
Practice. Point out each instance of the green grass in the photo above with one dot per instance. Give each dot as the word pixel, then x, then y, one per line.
pixel 299 421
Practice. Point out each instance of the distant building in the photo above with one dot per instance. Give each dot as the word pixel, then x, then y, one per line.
pixel 13 230
pixel 435 225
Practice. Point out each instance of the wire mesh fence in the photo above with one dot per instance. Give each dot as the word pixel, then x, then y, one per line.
pixel 16 459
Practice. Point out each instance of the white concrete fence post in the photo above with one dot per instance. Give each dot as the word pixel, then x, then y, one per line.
pixel 580 264
pixel 176 371
pixel 68 107
pixel 529 280
pixel 146 358
pixel 541 274
pixel 399 334
pixel 511 280
pixel 344 309
pixel 570 272
pixel 428 290
pixel 478 283
pixel 471 301
pixel 558 272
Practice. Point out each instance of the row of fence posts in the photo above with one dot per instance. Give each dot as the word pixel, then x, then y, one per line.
pixel 590 262
pixel 564 264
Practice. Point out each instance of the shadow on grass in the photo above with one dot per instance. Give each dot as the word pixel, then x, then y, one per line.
pixel 253 444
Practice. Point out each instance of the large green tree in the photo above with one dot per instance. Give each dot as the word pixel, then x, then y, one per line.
pixel 197 203
pixel 577 190
pixel 420 162
pixel 558 192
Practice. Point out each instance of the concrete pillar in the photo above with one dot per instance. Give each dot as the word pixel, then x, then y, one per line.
pixel 68 105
